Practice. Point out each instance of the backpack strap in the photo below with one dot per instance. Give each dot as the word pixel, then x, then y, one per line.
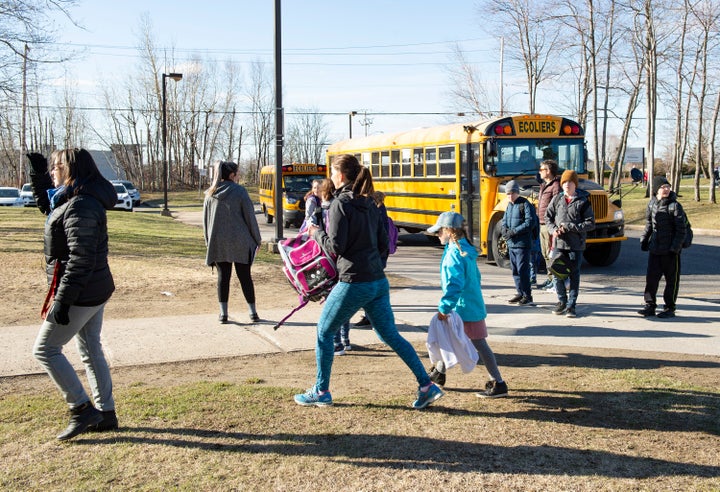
pixel 303 303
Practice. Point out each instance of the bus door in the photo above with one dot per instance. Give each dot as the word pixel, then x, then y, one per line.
pixel 470 189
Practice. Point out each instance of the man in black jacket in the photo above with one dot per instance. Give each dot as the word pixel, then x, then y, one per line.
pixel 663 238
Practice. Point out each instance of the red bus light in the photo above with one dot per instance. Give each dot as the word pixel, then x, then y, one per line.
pixel 575 129
pixel 498 130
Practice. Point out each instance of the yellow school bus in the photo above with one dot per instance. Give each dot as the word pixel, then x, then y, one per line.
pixel 297 180
pixel 464 167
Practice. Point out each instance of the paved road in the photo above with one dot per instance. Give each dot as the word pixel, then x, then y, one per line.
pixel 607 319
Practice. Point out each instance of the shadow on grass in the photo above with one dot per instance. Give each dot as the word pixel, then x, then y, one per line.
pixel 658 409
pixel 413 452
pixel 572 359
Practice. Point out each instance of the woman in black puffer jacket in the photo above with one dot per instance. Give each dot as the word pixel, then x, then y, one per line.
pixel 76 250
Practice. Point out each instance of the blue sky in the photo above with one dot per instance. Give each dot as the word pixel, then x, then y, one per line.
pixel 376 56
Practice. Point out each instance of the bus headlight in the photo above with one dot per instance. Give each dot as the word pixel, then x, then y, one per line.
pixel 291 200
pixel 619 216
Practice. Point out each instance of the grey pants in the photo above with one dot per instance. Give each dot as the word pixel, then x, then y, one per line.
pixel 487 357
pixel 85 325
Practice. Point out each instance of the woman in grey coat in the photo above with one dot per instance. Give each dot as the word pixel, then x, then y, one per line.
pixel 232 235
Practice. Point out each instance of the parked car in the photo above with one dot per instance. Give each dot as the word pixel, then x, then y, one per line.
pixel 134 192
pixel 27 195
pixel 124 201
pixel 10 197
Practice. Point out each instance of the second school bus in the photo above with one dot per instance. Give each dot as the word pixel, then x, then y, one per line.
pixel 296 181
pixel 464 167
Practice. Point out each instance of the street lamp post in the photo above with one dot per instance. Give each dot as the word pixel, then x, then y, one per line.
pixel 350 117
pixel 175 77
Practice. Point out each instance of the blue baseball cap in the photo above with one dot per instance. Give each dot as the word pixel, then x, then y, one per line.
pixel 447 219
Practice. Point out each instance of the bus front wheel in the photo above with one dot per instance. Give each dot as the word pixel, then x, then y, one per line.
pixel 501 255
pixel 602 254
pixel 268 217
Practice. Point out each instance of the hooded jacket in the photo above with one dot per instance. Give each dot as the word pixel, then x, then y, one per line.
pixel 231 231
pixel 518 223
pixel 460 282
pixel 356 234
pixel 76 236
pixel 577 217
pixel 664 226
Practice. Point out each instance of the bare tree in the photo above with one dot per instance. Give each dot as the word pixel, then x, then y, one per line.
pixel 468 92
pixel 707 15
pixel 260 94
pixel 533 39
pixel 307 137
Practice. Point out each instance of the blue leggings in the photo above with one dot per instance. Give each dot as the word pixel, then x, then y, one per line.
pixel 343 302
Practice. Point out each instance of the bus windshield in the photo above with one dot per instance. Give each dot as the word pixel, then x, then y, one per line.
pixel 300 183
pixel 517 157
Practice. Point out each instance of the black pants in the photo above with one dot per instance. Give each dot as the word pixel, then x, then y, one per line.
pixel 659 266
pixel 242 270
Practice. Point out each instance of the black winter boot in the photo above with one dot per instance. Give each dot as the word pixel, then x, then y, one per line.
pixel 81 418
pixel 108 423
pixel 648 310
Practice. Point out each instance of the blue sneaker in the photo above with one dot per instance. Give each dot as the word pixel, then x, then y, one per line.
pixel 425 398
pixel 312 397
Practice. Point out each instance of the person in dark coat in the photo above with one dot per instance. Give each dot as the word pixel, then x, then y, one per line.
pixel 517 224
pixel 232 236
pixel 662 238
pixel 75 196
pixel 568 218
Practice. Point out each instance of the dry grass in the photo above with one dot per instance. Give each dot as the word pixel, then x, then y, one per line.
pixel 576 420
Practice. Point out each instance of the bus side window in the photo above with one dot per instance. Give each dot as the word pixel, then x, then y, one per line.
pixel 431 161
pixel 406 156
pixel 395 163
pixel 418 170
pixel 375 166
pixel 366 160
pixel 385 164
pixel 447 161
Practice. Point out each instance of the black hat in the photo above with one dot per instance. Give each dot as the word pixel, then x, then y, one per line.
pixel 657 182
pixel 561 266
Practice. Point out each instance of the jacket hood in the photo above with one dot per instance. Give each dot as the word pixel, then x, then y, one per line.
pixel 224 190
pixel 579 193
pixel 102 190
pixel 360 202
pixel 467 248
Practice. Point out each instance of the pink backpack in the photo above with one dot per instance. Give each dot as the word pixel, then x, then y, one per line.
pixel 309 269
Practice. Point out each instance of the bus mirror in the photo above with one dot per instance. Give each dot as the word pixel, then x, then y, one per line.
pixel 492 148
pixel 490 167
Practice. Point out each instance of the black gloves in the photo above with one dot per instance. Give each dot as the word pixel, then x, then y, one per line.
pixel 38 163
pixel 60 313
pixel 644 246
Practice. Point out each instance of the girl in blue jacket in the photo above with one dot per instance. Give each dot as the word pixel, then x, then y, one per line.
pixel 460 282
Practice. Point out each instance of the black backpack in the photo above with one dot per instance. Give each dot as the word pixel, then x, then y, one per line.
pixel 687 242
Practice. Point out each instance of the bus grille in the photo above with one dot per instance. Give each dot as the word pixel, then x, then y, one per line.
pixel 599 203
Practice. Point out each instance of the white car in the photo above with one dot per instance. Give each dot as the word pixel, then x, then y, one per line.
pixel 124 201
pixel 10 197
pixel 134 193
pixel 27 195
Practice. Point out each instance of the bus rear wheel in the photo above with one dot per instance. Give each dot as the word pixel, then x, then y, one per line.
pixel 268 217
pixel 500 252
pixel 603 254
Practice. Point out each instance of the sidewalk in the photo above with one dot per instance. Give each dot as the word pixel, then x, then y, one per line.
pixel 607 319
